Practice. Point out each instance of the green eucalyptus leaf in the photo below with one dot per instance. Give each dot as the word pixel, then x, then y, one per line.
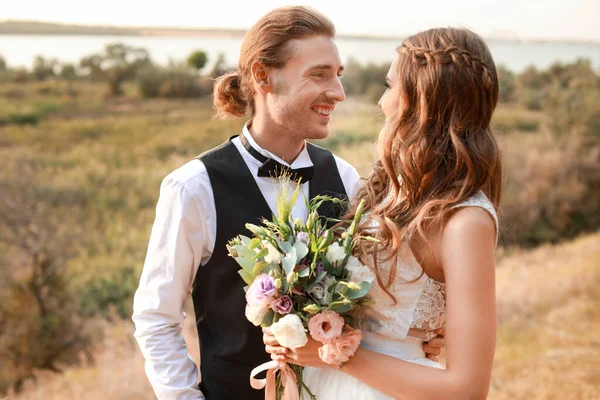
pixel 268 319
pixel 258 267
pixel 301 251
pixel 263 252
pixel 244 251
pixel 246 263
pixel 246 276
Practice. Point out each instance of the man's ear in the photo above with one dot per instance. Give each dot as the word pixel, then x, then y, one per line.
pixel 262 78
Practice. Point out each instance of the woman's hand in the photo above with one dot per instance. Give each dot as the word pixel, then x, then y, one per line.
pixel 306 356
pixel 273 347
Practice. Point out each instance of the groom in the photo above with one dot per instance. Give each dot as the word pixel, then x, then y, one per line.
pixel 289 81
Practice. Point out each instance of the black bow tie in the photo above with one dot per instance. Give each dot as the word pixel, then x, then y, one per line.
pixel 274 169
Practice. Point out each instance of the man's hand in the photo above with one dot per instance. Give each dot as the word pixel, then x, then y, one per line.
pixel 434 347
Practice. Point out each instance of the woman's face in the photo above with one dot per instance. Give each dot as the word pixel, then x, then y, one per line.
pixel 390 101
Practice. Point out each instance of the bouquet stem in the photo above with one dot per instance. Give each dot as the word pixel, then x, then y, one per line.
pixel 301 385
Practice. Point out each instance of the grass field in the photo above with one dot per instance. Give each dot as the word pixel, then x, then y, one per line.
pixel 96 165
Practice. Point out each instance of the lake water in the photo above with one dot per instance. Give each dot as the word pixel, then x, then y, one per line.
pixel 19 50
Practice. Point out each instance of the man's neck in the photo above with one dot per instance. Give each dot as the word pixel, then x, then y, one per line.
pixel 276 140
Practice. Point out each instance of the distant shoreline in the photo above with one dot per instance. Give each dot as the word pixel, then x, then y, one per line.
pixel 28 28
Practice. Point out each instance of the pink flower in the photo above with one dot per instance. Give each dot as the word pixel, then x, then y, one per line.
pixel 342 348
pixel 282 305
pixel 348 343
pixel 328 354
pixel 326 326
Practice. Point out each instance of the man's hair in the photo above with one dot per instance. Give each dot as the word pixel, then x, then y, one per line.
pixel 268 43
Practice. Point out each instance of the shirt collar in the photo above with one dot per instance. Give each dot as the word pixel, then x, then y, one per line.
pixel 303 160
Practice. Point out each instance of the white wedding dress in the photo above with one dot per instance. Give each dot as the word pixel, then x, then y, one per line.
pixel 390 328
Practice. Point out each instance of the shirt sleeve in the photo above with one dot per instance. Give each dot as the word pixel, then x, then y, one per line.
pixel 175 251
pixel 350 177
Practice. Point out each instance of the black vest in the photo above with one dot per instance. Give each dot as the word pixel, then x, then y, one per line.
pixel 230 346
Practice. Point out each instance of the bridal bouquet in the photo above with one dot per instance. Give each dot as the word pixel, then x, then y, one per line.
pixel 301 277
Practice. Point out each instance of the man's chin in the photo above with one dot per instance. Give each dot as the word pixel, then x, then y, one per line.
pixel 318 134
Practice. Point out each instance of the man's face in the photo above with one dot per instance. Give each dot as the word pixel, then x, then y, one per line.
pixel 306 90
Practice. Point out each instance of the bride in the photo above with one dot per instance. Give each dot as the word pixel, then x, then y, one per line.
pixel 431 200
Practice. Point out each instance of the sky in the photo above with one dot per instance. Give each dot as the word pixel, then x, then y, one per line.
pixel 526 19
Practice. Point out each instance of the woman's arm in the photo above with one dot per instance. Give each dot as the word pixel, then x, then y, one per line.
pixel 466 253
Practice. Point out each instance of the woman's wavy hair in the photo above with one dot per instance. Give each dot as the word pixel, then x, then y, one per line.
pixel 438 149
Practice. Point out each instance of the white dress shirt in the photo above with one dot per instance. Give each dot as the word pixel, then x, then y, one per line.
pixel 183 238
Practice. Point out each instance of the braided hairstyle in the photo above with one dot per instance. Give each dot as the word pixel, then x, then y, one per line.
pixel 447 55
pixel 438 149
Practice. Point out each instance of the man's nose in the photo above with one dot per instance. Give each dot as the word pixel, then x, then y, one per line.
pixel 337 90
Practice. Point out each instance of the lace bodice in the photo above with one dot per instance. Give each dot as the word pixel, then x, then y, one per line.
pixel 420 300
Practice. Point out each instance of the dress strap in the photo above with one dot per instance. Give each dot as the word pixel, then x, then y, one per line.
pixel 480 200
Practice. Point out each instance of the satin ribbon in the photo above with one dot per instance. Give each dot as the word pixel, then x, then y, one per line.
pixel 288 379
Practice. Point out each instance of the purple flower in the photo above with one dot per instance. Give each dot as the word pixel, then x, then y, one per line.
pixel 262 291
pixel 302 237
pixel 282 305
pixel 320 267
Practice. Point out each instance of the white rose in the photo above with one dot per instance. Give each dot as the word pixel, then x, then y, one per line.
pixel 256 314
pixel 274 257
pixel 358 271
pixel 289 331
pixel 335 254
